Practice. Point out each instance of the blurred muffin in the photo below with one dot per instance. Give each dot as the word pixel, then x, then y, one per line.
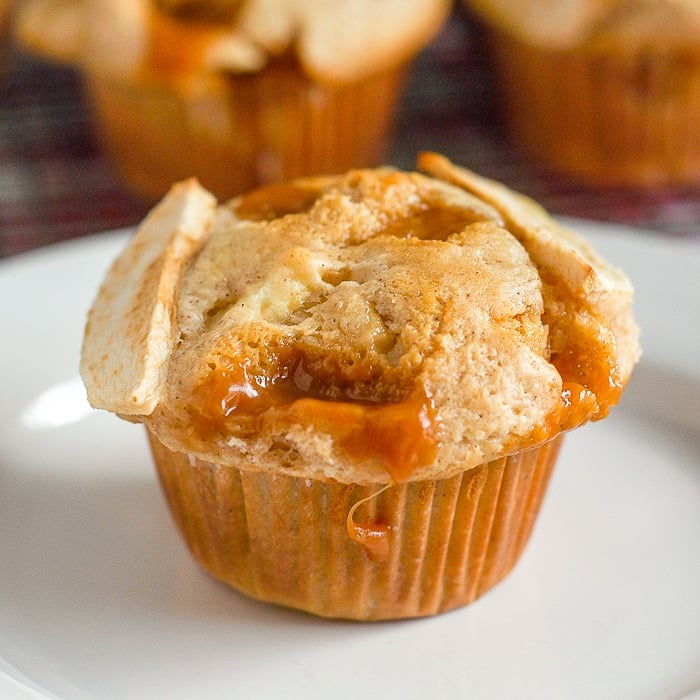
pixel 236 92
pixel 355 386
pixel 607 91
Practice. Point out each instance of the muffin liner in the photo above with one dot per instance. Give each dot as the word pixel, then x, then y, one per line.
pixel 239 131
pixel 603 116
pixel 285 539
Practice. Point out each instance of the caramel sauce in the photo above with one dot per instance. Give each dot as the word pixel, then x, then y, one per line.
pixel 275 200
pixel 435 223
pixel 596 371
pixel 373 537
pixel 231 388
pixel 402 433
pixel 591 382
pixel 587 360
pixel 589 389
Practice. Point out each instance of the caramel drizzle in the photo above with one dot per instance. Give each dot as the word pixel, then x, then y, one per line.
pixel 374 537
pixel 403 434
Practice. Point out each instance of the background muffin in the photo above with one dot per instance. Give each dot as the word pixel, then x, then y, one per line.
pixel 607 91
pixel 355 386
pixel 238 92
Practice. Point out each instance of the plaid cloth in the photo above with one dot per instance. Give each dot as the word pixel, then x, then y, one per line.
pixel 55 183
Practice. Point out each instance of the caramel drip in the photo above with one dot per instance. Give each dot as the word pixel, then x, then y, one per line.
pixel 374 537
pixel 595 370
pixel 231 388
pixel 591 382
pixel 588 358
pixel 588 392
pixel 402 434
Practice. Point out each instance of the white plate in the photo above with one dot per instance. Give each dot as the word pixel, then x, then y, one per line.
pixel 99 599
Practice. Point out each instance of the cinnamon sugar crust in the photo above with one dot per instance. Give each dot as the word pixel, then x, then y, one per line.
pixel 368 327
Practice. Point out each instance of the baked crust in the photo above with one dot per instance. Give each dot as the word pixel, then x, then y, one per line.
pixel 363 328
pixel 129 333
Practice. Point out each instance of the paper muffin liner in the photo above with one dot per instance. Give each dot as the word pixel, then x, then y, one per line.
pixel 285 540
pixel 603 116
pixel 239 131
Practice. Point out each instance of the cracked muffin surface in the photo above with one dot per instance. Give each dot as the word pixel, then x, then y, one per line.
pixel 372 327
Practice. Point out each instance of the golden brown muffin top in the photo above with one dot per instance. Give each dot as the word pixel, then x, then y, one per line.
pixel 368 327
pixel 334 40
pixel 625 23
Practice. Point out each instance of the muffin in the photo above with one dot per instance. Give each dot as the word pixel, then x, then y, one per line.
pixel 236 92
pixel 605 91
pixel 355 386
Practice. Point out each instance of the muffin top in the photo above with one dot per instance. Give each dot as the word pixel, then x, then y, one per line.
pixel 371 327
pixel 626 24
pixel 335 41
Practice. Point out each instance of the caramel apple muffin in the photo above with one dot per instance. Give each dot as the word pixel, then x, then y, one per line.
pixel 355 386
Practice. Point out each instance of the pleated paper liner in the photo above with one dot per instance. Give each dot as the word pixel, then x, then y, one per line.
pixel 240 131
pixel 285 540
